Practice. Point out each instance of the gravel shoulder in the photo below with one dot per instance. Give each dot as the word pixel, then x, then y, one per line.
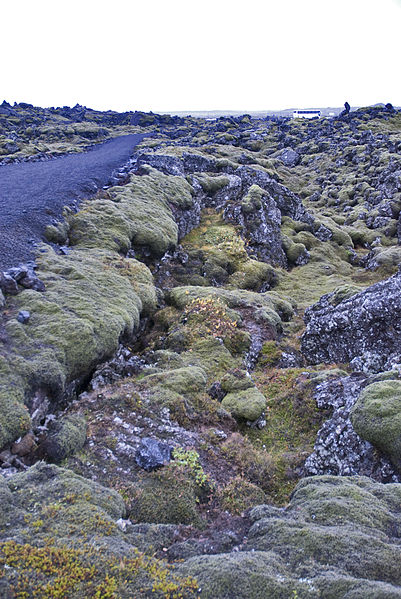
pixel 33 194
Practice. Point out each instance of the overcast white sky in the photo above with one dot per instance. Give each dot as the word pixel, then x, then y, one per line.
pixel 166 55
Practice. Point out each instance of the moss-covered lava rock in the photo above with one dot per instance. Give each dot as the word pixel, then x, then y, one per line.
pixel 376 417
pixel 248 404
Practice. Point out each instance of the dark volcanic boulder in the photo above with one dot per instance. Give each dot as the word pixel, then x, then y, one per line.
pixel 364 329
pixel 152 454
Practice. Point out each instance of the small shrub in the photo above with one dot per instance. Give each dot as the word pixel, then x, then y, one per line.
pixel 256 465
pixel 239 495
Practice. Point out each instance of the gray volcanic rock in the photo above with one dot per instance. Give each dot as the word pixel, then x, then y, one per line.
pixel 23 316
pixel 364 329
pixel 289 157
pixel 196 163
pixel 169 165
pixel 8 285
pixel 260 220
pixel 172 165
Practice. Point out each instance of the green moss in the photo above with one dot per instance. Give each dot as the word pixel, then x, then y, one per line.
pixel 92 299
pixel 331 546
pixel 292 422
pixel 224 253
pixel 253 275
pixel 270 303
pixel 245 405
pixel 14 416
pixel 255 464
pixel 89 303
pixel 343 293
pixel 181 380
pixel 211 355
pixel 57 572
pixel 44 484
pixel 376 417
pixel 211 185
pixel 236 380
pixel 328 268
pixel 293 250
pixel 388 259
pixel 341 501
pixel 57 233
pixel 329 522
pixel 270 353
pixel 244 575
pixel 189 458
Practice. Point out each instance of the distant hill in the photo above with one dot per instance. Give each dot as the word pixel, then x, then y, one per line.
pixel 258 114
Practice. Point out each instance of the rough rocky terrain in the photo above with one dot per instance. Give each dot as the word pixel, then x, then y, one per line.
pixel 200 390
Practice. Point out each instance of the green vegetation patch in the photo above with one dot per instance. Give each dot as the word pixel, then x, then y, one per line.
pixel 55 572
pixel 292 422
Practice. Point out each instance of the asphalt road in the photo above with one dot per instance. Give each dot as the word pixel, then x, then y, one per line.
pixel 33 194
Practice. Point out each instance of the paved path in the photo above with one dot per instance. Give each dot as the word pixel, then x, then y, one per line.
pixel 33 194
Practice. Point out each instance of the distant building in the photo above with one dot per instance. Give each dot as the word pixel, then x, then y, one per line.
pixel 306 114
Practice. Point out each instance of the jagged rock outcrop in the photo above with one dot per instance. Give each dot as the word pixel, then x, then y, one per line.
pixel 364 329
pixel 287 202
pixel 260 219
pixel 258 214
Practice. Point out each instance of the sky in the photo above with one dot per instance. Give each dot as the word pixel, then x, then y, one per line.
pixel 175 55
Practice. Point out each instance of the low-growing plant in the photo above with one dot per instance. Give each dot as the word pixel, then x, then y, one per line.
pixel 208 316
pixel 190 459
pixel 51 572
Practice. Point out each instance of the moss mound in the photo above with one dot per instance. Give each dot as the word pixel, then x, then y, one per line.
pixel 92 299
pixel 137 214
pixel 248 404
pixel 376 417
pixel 59 538
pixel 333 540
